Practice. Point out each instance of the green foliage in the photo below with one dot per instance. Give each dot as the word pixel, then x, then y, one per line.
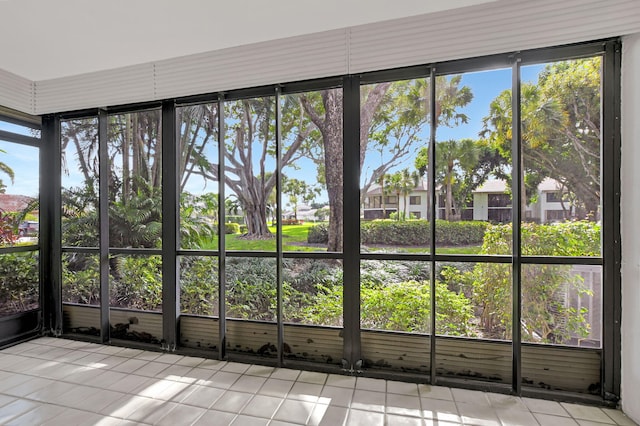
pixel 199 285
pixel 231 228
pixel 19 282
pixel 417 232
pixel 81 279
pixel 399 306
pixel 136 282
pixel 545 315
pixel 318 234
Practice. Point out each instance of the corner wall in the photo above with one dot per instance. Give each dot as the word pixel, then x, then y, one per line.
pixel 630 226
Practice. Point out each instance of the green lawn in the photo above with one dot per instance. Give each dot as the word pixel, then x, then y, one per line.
pixel 294 238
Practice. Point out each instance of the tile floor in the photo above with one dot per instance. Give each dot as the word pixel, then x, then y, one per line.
pixel 64 382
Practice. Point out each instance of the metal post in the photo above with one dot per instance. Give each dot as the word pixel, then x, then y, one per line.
pixel 432 212
pixel 611 247
pixel 50 226
pixel 351 219
pixel 170 227
pixel 279 260
pixel 516 211
pixel 222 258
pixel 103 220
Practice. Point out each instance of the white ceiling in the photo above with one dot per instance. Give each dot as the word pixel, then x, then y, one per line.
pixel 46 39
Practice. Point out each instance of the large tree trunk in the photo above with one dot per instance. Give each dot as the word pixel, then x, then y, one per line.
pixel 334 174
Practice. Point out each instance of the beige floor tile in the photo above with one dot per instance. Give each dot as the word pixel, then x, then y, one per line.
pixel 309 392
pixel 403 405
pixel 366 383
pixel 215 417
pixel 584 412
pixel 328 415
pixel 549 420
pixel 477 414
pixel 37 416
pixel 336 396
pixel 365 418
pixel 276 387
pixel 232 401
pixel 262 406
pixel 181 415
pixel 619 417
pixel 294 411
pixel 15 409
pixel 368 400
pixel 340 381
pixel 439 410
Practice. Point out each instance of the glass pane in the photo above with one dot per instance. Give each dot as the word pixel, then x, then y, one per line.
pixel 251 305
pixel 395 297
pixel 472 163
pixel 135 183
pixel 562 304
pixel 312 291
pixel 80 181
pixel 81 278
pixel 19 129
pixel 561 140
pixel 312 169
pixel 19 183
pixel 135 283
pixel 198 176
pixel 394 196
pixel 19 282
pixel 250 179
pixel 473 320
pixel 199 285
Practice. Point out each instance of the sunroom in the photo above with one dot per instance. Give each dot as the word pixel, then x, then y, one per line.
pixel 166 193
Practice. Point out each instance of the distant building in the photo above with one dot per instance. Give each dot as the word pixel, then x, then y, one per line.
pixel 491 202
pixel 14 203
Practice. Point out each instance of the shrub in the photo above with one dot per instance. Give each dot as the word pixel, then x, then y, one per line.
pixel 546 317
pixel 19 282
pixel 417 232
pixel 81 279
pixel 231 228
pixel 136 282
pixel 199 285
pixel 318 234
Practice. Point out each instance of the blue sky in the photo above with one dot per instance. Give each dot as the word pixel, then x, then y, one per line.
pixel 485 86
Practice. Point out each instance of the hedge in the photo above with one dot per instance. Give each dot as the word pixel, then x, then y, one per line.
pixel 417 232
pixel 411 232
pixel 231 228
pixel 318 234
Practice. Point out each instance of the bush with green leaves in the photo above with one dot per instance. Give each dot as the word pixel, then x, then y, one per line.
pixel 199 285
pixel 399 306
pixel 81 279
pixel 318 234
pixel 231 228
pixel 19 282
pixel 546 317
pixel 136 282
pixel 418 232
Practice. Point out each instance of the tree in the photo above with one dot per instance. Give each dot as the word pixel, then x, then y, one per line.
pixel 4 168
pixel 461 166
pixel 298 190
pixel 392 117
pixel 560 131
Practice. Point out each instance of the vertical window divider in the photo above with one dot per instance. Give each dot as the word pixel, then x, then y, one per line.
pixel 517 194
pixel 170 227
pixel 279 292
pixel 222 259
pixel 103 221
pixel 432 221
pixel 351 222
pixel 611 245
pixel 51 229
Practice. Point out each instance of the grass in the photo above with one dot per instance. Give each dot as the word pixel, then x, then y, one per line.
pixel 294 238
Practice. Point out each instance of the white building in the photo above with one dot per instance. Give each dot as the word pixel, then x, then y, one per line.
pixel 491 202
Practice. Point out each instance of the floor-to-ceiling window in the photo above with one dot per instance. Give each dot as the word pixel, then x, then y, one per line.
pixel 459 236
pixel 19 228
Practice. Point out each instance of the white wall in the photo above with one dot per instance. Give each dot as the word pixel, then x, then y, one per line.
pixel 630 223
